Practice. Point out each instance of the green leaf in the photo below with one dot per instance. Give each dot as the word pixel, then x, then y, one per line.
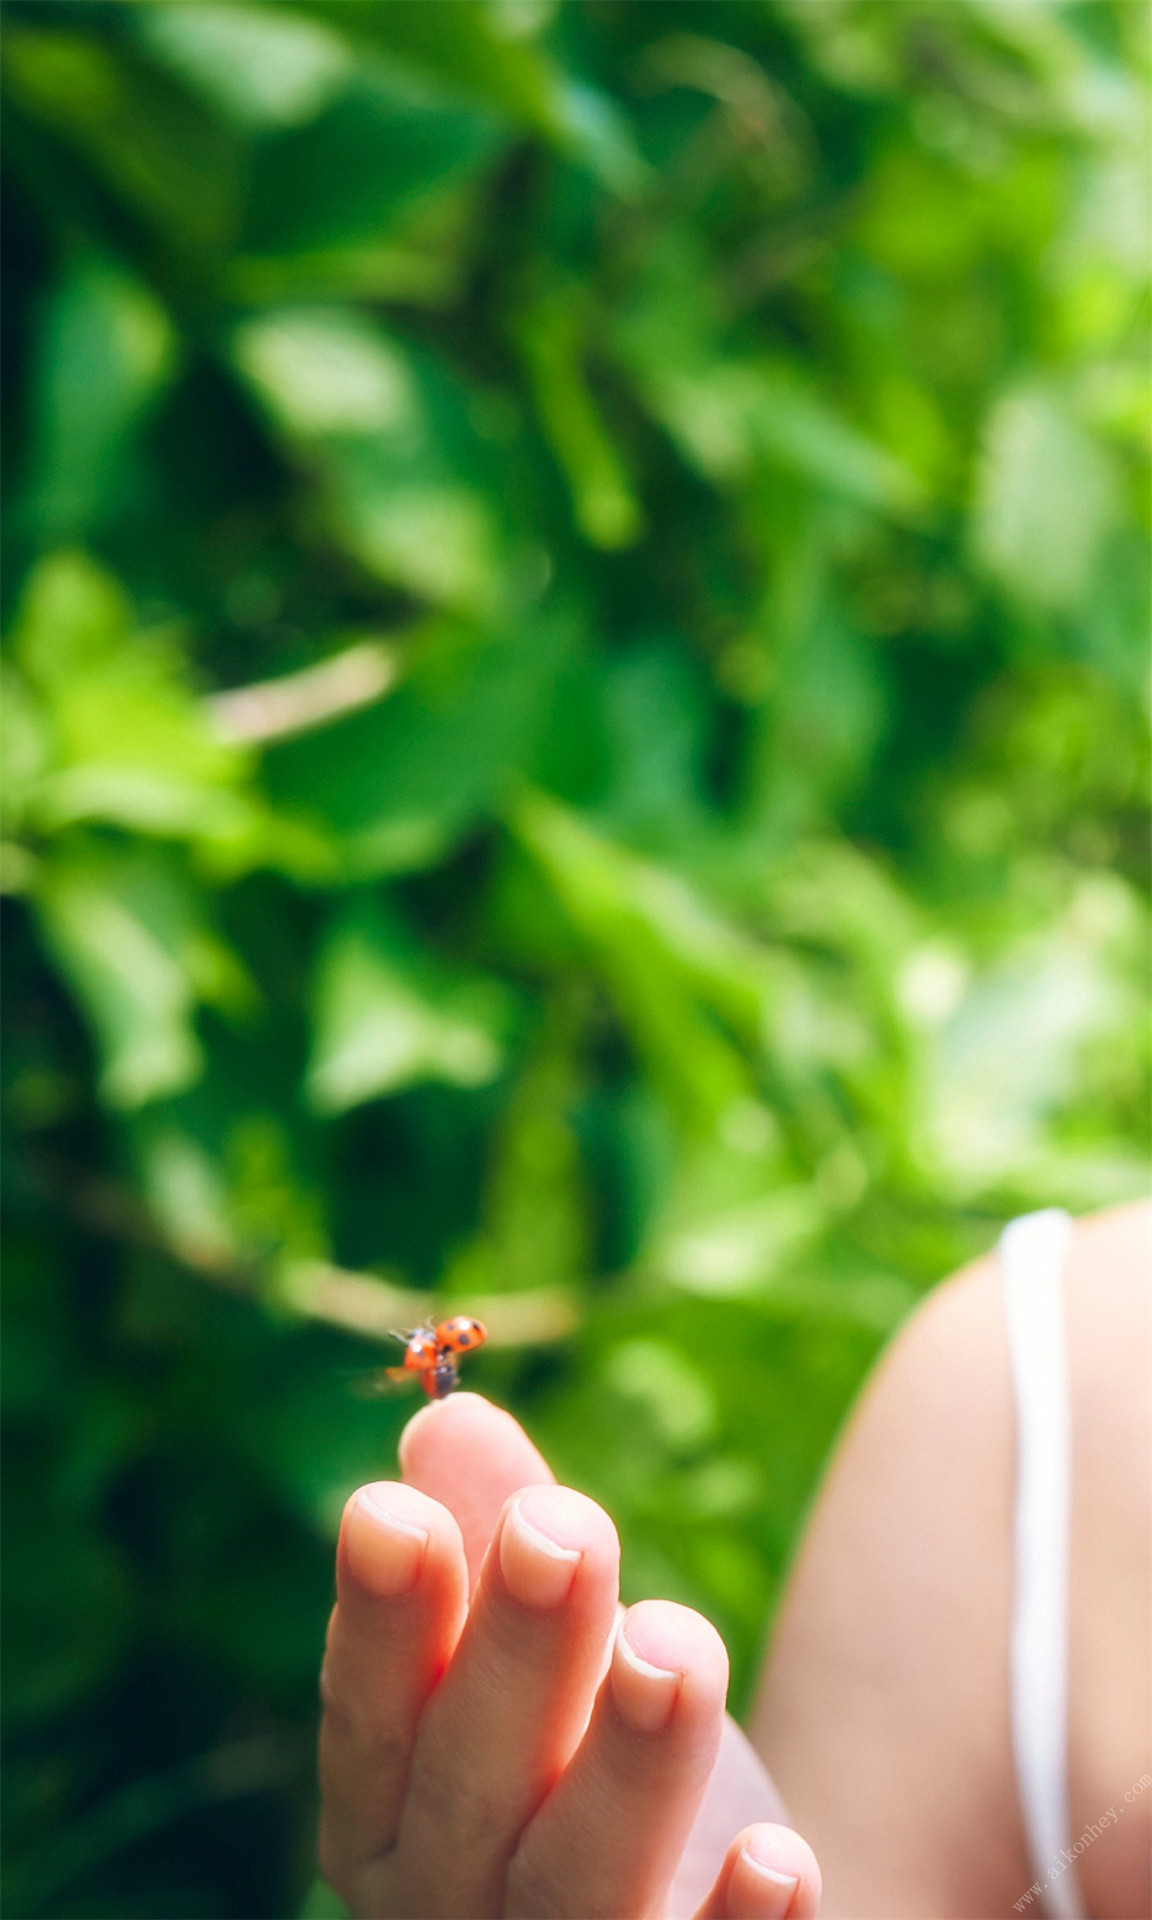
pixel 637 903
pixel 1020 1042
pixel 666 957
pixel 552 336
pixel 1046 497
pixel 511 73
pixel 24 746
pixel 106 354
pixel 387 148
pixel 184 1187
pixel 258 65
pixel 328 372
pixel 395 477
pixel 732 416
pixel 156 149
pixel 739 1250
pixel 73 616
pixel 430 536
pixel 131 743
pixel 536 1210
pixel 118 924
pixel 386 1016
pixel 399 783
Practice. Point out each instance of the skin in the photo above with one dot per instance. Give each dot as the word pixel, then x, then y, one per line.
pixel 495 1740
pixel 884 1711
pixel 499 1739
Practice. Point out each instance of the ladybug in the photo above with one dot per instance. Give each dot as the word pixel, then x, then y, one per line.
pixel 432 1353
pixel 421 1351
pixel 438 1381
pixel 461 1333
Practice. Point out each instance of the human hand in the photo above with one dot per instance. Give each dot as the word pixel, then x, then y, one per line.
pixel 471 1456
pixel 507 1755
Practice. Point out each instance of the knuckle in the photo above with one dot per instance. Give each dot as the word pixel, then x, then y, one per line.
pixel 465 1811
pixel 535 1889
pixel 378 1748
pixel 381 1749
pixel 468 1814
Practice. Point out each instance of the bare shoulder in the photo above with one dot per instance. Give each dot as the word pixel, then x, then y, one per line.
pixel 1109 1310
pixel 1109 1295
pixel 1110 1259
pixel 884 1713
pixel 955 1345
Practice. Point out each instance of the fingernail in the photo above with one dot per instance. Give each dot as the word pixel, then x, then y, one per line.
pixel 644 1695
pixel 386 1553
pixel 775 1889
pixel 537 1571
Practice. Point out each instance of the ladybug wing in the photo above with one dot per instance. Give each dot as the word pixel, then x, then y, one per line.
pixel 461 1333
pixel 381 1380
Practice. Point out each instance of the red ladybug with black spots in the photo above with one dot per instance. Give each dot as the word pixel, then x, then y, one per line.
pixel 461 1333
pixel 433 1353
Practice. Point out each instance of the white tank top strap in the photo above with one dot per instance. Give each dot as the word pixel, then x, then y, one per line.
pixel 1032 1260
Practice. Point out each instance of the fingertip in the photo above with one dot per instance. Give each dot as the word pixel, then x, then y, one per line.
pixel 772 1874
pixel 643 1692
pixel 455 1413
pixel 442 1428
pixel 470 1456
pixel 569 1518
pixel 552 1542
pixel 409 1504
pixel 674 1638
pixel 669 1665
pixel 387 1533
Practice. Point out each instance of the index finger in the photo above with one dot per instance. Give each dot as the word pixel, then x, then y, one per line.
pixel 471 1457
pixel 400 1606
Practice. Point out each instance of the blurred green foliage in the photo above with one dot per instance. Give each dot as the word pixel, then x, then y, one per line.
pixel 577 583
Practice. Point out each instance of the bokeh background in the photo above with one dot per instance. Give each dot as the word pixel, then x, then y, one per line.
pixel 576 592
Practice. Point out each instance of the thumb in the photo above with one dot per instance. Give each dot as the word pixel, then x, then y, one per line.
pixel 470 1456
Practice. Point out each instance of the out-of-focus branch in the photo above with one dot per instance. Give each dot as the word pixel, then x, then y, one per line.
pixel 274 709
pixel 360 1303
pixel 377 1308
